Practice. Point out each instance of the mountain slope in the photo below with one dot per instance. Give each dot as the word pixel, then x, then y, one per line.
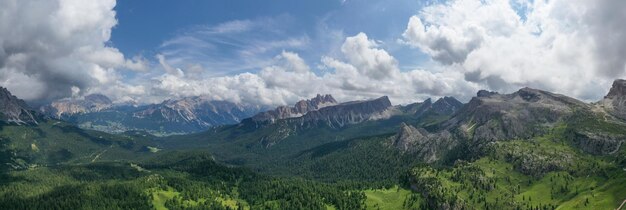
pixel 270 146
pixel 29 140
pixel 186 115
pixel 15 110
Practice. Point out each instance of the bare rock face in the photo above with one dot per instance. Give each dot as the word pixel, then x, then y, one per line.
pixel 615 101
pixel 447 106
pixel 67 107
pixel 299 109
pixel 409 137
pixel 429 147
pixel 598 143
pixel 333 116
pixel 526 113
pixel 15 110
pixel 350 112
pixel 443 106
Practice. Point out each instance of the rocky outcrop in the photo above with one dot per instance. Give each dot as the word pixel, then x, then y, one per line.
pixel 615 101
pixel 446 106
pixel 334 116
pixel 409 137
pixel 62 109
pixel 429 147
pixel 598 143
pixel 443 106
pixel 528 112
pixel 15 110
pixel 299 109
pixel 350 112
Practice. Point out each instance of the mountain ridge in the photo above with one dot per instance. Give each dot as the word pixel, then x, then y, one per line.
pixel 15 110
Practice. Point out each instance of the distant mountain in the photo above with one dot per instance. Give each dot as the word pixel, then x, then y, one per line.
pixel 349 113
pixel 447 105
pixel 299 109
pixel 443 106
pixel 67 107
pixel 492 116
pixel 185 115
pixel 195 113
pixel 324 109
pixel 28 139
pixel 527 113
pixel 332 115
pixel 15 110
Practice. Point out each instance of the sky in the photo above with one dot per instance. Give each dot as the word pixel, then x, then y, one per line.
pixel 275 52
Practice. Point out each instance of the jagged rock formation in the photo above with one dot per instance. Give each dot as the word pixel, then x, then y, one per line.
pixel 615 101
pixel 62 109
pixel 333 116
pixel 443 106
pixel 15 110
pixel 299 109
pixel 350 112
pixel 447 106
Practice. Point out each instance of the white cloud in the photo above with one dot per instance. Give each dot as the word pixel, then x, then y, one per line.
pixel 368 59
pixel 235 46
pixel 553 45
pixel 366 72
pixel 48 47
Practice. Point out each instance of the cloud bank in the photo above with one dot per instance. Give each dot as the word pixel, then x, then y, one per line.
pixel 49 48
pixel 571 47
pixel 364 71
pixel 60 48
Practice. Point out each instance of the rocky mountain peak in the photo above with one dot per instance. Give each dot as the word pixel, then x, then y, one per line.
pixel 98 98
pixel 304 106
pixel 323 99
pixel 420 142
pixel 615 101
pixel 485 93
pixel 13 109
pixel 351 112
pixel 447 105
pixel 67 107
pixel 618 89
pixel 407 137
pixel 299 109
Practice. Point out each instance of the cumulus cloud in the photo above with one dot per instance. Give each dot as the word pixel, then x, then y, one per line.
pixel 55 49
pixel 363 71
pixel 571 47
pixel 48 47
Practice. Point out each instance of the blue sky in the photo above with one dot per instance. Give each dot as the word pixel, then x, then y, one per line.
pixel 143 29
pixel 278 52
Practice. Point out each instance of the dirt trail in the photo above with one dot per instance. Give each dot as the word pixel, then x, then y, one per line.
pixel 98 156
pixel 620 206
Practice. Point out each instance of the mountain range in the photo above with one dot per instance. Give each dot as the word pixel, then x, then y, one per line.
pixel 185 115
pixel 530 149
